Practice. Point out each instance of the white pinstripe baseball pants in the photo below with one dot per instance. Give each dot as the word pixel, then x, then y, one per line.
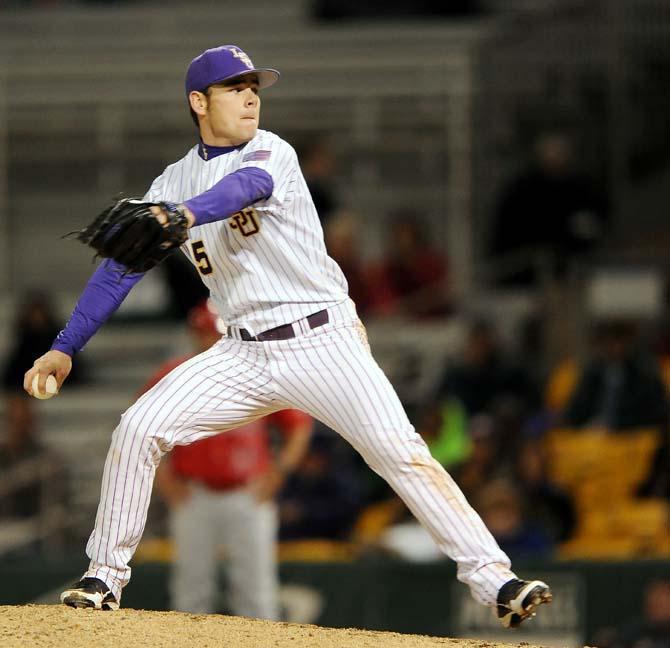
pixel 327 372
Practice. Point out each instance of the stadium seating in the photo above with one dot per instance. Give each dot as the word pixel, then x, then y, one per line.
pixel 603 471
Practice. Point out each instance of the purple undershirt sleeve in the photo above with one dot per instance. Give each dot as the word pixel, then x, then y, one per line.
pixel 103 294
pixel 108 287
pixel 229 195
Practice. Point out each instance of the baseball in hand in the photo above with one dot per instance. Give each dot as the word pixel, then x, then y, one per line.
pixel 51 387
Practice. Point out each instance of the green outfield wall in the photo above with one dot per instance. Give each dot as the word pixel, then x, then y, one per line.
pixel 380 594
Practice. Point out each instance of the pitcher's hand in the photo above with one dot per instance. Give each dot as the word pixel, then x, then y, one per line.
pixel 52 363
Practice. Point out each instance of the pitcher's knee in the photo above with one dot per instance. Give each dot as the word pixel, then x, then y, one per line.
pixel 139 428
pixel 395 451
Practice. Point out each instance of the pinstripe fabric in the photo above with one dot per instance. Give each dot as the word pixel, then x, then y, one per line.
pixel 277 275
pixel 327 372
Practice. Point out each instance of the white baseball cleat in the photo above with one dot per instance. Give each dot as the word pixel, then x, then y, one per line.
pixel 517 600
pixel 90 593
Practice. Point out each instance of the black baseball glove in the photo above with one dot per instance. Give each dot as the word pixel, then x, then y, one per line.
pixel 129 233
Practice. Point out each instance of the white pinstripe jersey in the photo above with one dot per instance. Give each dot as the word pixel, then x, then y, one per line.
pixel 267 265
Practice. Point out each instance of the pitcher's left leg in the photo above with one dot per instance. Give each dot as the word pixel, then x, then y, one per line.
pixel 338 382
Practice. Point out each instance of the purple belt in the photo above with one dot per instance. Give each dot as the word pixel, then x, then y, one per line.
pixel 283 332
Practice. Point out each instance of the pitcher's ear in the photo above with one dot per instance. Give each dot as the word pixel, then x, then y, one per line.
pixel 199 102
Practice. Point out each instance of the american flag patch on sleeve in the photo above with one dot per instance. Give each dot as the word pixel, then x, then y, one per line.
pixel 256 156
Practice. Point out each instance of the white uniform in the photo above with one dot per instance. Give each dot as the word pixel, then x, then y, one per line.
pixel 269 263
pixel 267 266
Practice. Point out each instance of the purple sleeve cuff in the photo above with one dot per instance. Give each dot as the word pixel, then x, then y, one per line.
pixel 229 195
pixel 103 294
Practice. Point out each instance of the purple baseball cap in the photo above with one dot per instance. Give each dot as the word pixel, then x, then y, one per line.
pixel 221 64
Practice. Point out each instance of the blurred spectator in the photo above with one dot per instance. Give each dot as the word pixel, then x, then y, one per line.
pixel 484 380
pixel 342 245
pixel 502 507
pixel 483 463
pixel 32 475
pixel 35 327
pixel 323 496
pixel 444 427
pixel 318 167
pixel 620 386
pixel 551 209
pixel 412 278
pixel 220 491
pixel 547 504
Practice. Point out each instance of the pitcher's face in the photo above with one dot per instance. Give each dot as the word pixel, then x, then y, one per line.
pixel 231 112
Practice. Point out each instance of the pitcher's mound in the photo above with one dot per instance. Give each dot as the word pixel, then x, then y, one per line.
pixel 60 626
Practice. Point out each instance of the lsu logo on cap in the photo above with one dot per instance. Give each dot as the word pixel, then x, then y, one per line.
pixel 238 53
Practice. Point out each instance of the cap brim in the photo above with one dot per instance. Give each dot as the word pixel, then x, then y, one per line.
pixel 266 77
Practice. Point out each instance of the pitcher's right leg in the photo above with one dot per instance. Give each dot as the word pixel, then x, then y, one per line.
pixel 220 389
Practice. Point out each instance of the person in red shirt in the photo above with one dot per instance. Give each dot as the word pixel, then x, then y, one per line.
pixel 220 493
pixel 412 278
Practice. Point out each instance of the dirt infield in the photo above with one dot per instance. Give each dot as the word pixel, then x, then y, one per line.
pixel 59 626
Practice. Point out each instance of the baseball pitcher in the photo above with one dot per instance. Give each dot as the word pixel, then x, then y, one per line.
pixel 238 206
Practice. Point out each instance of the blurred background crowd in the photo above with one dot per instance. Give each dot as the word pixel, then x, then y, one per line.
pixel 491 176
